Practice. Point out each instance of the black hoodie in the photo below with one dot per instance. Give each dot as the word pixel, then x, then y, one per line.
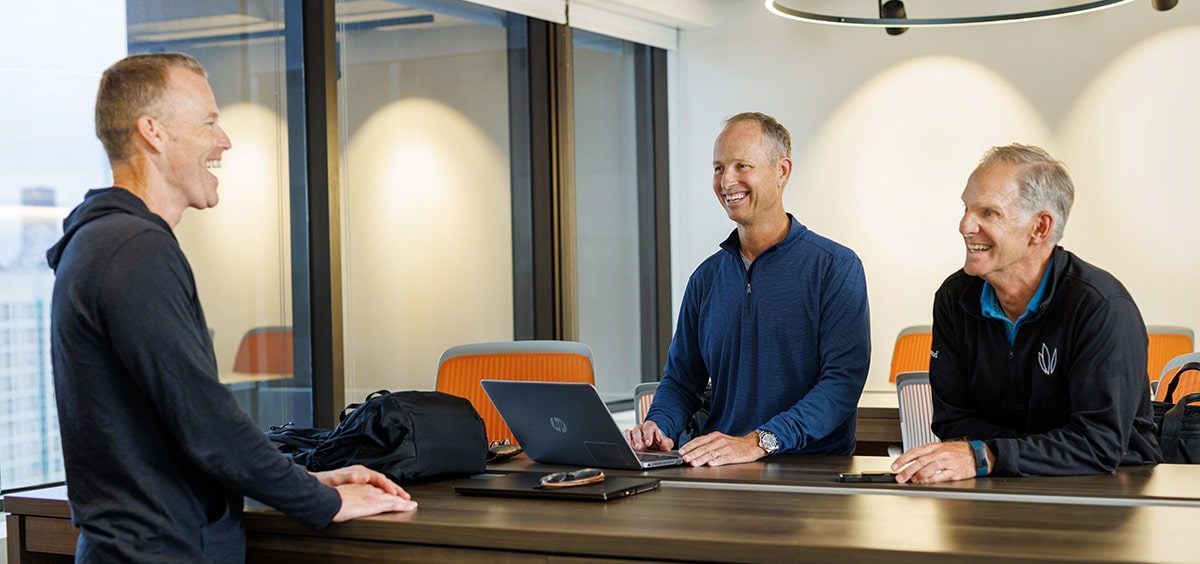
pixel 158 455
pixel 1069 396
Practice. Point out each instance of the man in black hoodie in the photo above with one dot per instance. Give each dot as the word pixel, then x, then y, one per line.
pixel 1039 359
pixel 158 455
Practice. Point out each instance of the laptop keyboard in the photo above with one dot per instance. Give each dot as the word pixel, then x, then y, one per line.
pixel 653 456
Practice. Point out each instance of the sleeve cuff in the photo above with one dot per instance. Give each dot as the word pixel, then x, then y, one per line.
pixel 787 442
pixel 330 503
pixel 1006 453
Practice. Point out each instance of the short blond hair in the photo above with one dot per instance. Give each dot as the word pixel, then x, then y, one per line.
pixel 129 89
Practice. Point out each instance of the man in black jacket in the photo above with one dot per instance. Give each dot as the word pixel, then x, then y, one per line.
pixel 158 455
pixel 1038 364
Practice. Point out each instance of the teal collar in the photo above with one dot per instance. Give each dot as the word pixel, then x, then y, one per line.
pixel 990 305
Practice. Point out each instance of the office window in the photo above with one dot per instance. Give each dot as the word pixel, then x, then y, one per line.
pixel 606 199
pixel 622 231
pixel 424 117
pixel 240 251
pixel 48 158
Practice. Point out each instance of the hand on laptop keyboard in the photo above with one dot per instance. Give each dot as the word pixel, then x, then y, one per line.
pixel 648 436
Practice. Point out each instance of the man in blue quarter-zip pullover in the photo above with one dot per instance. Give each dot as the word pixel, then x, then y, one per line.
pixel 777 320
pixel 1038 358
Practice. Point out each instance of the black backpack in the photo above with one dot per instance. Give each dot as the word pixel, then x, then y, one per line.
pixel 1177 424
pixel 405 435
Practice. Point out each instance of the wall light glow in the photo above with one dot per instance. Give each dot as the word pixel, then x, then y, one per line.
pixel 428 216
pixel 244 285
pixel 887 169
pixel 1131 143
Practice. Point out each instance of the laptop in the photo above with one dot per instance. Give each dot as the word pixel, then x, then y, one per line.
pixel 568 424
pixel 524 484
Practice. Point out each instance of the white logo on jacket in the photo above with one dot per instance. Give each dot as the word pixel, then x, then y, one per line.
pixel 933 354
pixel 1047 360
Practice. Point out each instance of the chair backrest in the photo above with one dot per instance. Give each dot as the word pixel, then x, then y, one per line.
pixel 1189 380
pixel 461 368
pixel 643 396
pixel 912 350
pixel 1166 343
pixel 265 350
pixel 1172 366
pixel 916 409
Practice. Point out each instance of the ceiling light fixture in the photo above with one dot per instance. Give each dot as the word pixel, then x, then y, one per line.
pixel 893 17
pixel 893 9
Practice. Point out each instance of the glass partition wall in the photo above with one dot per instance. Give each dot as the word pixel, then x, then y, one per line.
pixel 427 216
pixel 240 251
pixel 606 199
pixel 435 102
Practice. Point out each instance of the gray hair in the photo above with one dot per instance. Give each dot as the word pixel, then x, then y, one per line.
pixel 774 132
pixel 1043 181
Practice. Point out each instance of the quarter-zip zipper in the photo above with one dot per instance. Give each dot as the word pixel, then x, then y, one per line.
pixel 749 291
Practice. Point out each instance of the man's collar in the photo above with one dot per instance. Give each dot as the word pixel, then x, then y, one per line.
pixel 972 295
pixel 795 230
pixel 989 302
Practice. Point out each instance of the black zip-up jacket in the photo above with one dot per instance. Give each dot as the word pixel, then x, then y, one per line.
pixel 158 455
pixel 1069 396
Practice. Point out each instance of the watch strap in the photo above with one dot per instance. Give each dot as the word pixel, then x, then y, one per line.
pixel 981 461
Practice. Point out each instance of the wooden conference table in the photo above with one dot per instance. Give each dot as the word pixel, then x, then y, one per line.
pixel 786 508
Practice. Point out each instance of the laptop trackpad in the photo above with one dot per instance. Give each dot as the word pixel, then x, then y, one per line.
pixel 605 454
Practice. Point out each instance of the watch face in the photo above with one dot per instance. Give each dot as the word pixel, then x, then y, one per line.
pixel 768 441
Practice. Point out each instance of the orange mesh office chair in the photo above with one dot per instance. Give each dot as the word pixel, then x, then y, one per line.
pixel 265 354
pixel 1189 380
pixel 1166 343
pixel 1171 367
pixel 265 350
pixel 461 368
pixel 643 396
pixel 912 350
pixel 915 399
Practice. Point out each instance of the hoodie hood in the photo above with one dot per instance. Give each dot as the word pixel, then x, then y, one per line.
pixel 96 204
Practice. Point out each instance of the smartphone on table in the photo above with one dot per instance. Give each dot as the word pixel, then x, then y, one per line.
pixel 868 477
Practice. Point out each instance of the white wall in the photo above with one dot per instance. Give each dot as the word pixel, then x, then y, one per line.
pixel 887 129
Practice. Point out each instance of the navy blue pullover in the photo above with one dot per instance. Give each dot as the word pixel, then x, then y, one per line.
pixel 158 455
pixel 787 345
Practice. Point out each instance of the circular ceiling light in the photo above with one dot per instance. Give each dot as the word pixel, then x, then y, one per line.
pixel 873 13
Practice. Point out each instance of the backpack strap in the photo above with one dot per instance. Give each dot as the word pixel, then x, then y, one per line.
pixel 346 411
pixel 1171 426
pixel 1169 398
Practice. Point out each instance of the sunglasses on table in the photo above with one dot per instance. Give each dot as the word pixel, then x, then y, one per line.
pixel 570 479
pixel 500 450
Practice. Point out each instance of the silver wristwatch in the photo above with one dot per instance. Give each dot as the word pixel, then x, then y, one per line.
pixel 767 441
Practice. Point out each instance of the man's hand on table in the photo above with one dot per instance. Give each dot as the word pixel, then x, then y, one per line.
pixel 719 449
pixel 364 492
pixel 945 461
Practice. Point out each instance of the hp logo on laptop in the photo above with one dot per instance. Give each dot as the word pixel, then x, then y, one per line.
pixel 558 425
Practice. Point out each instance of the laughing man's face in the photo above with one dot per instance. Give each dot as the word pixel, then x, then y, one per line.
pixel 997 232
